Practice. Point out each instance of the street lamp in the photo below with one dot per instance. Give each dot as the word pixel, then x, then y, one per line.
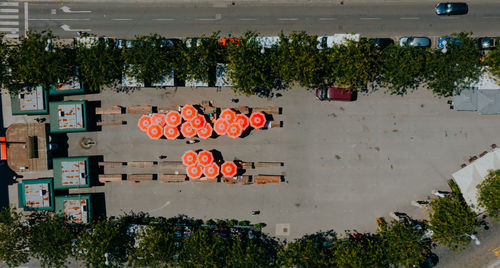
pixel 444 50
pixel 474 238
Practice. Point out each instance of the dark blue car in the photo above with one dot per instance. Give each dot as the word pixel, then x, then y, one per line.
pixel 452 9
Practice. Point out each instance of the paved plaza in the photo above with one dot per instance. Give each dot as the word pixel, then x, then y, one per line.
pixel 345 163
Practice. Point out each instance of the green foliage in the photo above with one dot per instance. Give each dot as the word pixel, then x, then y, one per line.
pixel 14 243
pixel 403 68
pixel 203 248
pixel 314 250
pixel 200 58
pixel 452 221
pixel 403 244
pixel 99 64
pixel 4 53
pixel 492 61
pixel 38 59
pixel 489 194
pixel 104 237
pixel 243 251
pixel 361 251
pixel 50 239
pixel 456 69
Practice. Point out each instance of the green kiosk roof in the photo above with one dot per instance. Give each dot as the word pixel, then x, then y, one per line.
pixel 73 86
pixel 68 116
pixel 71 172
pixel 30 101
pixel 75 208
pixel 36 194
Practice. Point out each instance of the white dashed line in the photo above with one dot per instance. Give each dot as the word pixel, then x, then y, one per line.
pixel 206 19
pixel 7 17
pixel 58 19
pixel 9 22
pixel 369 18
pixel 493 17
pixel 12 30
pixel 9 4
pixel 288 19
pixel 164 19
pixel 327 18
pixel 449 18
pixel 9 10
pixel 409 18
pixel 248 19
pixel 121 19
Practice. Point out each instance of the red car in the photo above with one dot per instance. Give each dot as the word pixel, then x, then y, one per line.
pixel 224 41
pixel 335 93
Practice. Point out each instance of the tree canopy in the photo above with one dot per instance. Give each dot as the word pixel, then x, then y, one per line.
pixel 489 194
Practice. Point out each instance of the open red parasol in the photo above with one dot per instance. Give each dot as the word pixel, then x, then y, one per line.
pixel 211 171
pixel 189 158
pixel 194 172
pixel 158 119
pixel 173 118
pixel 144 122
pixel 228 114
pixel 229 169
pixel 205 132
pixel 189 112
pixel 155 132
pixel 171 133
pixel 234 130
pixel 258 120
pixel 243 121
pixel 220 126
pixel 187 130
pixel 198 122
pixel 205 158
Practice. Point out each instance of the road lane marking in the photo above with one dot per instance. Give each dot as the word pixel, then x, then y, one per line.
pixel 68 29
pixel 121 19
pixel 288 19
pixel 163 19
pixel 66 9
pixel 247 19
pixel 11 36
pixel 205 19
pixel 59 19
pixel 327 18
pixel 9 10
pixel 217 17
pixel 12 30
pixel 449 18
pixel 9 17
pixel 409 18
pixel 9 22
pixel 369 18
pixel 9 4
pixel 53 11
pixel 492 17
pixel 25 19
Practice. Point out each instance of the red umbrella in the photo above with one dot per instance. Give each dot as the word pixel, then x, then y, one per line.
pixel 205 132
pixel 189 112
pixel 198 122
pixel 234 130
pixel 194 172
pixel 205 158
pixel 158 119
pixel 211 171
pixel 144 122
pixel 155 132
pixel 189 158
pixel 220 126
pixel 173 118
pixel 257 119
pixel 242 120
pixel 187 130
pixel 228 114
pixel 171 133
pixel 229 169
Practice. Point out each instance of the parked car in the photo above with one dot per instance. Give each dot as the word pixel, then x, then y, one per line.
pixel 415 41
pixel 487 42
pixel 446 41
pixel 224 41
pixel 381 42
pixel 124 43
pixel 452 9
pixel 335 93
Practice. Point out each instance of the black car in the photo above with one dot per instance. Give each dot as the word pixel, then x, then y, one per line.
pixel 381 42
pixel 452 9
pixel 486 42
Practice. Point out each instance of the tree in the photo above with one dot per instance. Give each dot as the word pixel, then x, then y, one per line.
pixel 404 245
pixel 99 64
pixel 489 194
pixel 251 250
pixel 14 249
pixel 452 221
pixel 4 53
pixel 200 57
pixel 492 62
pixel 314 250
pixel 403 68
pixel 104 242
pixel 360 250
pixel 203 248
pixel 50 239
pixel 456 69
pixel 251 71
pixel 39 60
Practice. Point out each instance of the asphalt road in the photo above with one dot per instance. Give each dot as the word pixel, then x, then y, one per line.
pixel 124 20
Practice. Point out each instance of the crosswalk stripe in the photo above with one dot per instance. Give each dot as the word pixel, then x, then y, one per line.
pixel 9 4
pixel 12 36
pixel 9 10
pixel 9 22
pixel 8 17
pixel 9 30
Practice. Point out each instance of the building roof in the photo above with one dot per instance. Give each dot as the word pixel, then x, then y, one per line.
pixel 27 147
pixel 71 172
pixel 466 101
pixel 74 208
pixel 73 86
pixel 68 116
pixel 30 101
pixel 36 194
pixel 488 101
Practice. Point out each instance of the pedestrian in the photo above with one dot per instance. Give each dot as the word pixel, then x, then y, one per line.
pixel 37 120
pixel 192 141
pixel 255 212
pixel 162 157
pixel 235 100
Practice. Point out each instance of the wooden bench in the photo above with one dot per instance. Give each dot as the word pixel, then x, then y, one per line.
pixel 268 164
pixel 243 179
pixel 168 178
pixel 135 178
pixel 80 190
pixel 139 109
pixel 247 164
pixel 275 124
pixel 110 123
pixel 206 180
pixel 141 164
pixel 115 109
pixel 167 109
pixel 261 179
pixel 103 178
pixel 171 164
pixel 110 164
pixel 268 109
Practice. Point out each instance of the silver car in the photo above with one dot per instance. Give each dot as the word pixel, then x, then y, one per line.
pixel 415 41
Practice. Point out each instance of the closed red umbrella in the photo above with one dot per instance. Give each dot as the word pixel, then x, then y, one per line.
pixel 155 132
pixel 234 130
pixel 228 115
pixel 194 172
pixel 205 132
pixel 173 118
pixel 158 119
pixel 189 158
pixel 198 122
pixel 257 119
pixel 205 158
pixel 211 171
pixel 171 133
pixel 243 121
pixel 189 112
pixel 220 126
pixel 187 130
pixel 229 169
pixel 144 122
